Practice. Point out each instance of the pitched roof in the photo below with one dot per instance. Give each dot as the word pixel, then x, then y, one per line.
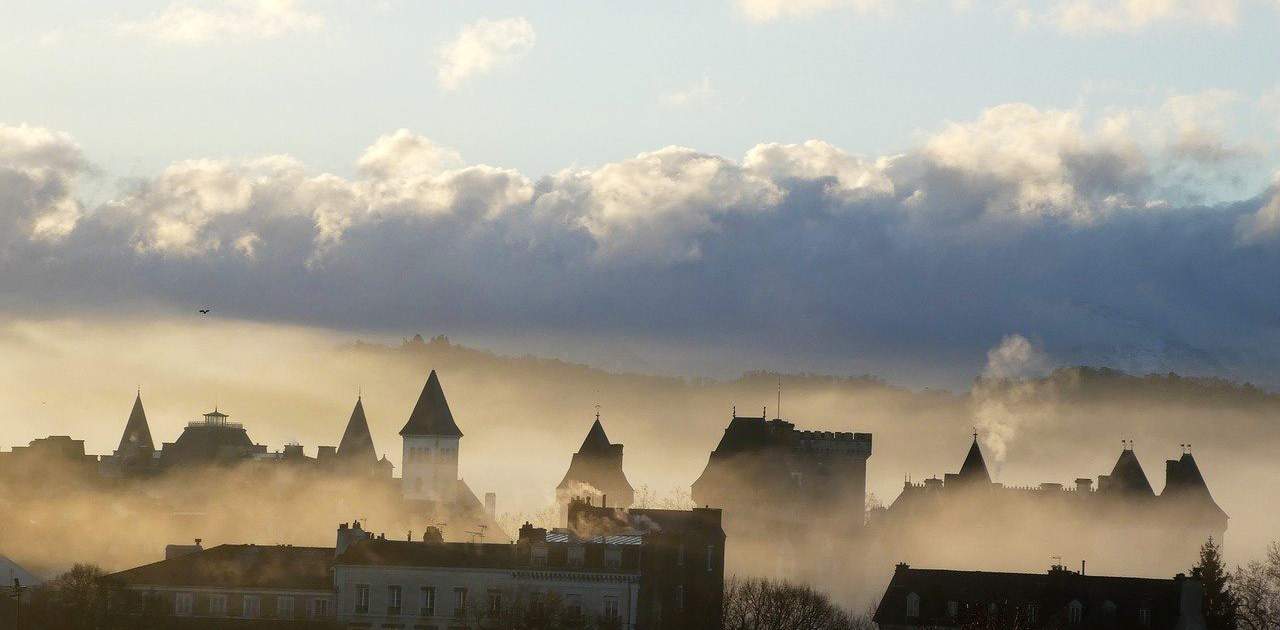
pixel 1053 591
pixel 596 441
pixel 137 434
pixel 599 465
pixel 1127 475
pixel 240 566
pixel 357 442
pixel 1183 479
pixel 431 415
pixel 974 467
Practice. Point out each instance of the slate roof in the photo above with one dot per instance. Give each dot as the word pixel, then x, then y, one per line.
pixel 137 433
pixel 357 442
pixel 599 464
pixel 1051 591
pixel 431 415
pixel 974 467
pixel 240 567
pixel 1127 475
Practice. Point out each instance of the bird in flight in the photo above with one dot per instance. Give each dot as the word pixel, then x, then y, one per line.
pixel 204 311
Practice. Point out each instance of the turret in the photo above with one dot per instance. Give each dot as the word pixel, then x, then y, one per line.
pixel 356 448
pixel 595 472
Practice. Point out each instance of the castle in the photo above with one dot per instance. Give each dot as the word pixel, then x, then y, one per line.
pixel 791 498
pixel 1119 525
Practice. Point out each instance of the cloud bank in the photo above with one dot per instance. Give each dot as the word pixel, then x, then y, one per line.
pixel 1025 220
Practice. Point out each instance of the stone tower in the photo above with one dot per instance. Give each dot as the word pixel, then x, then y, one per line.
pixel 431 439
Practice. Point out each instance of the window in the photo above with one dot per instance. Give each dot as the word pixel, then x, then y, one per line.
pixel 319 608
pixel 252 606
pixel 218 605
pixel 182 604
pixel 680 597
pixel 1144 616
pixel 573 604
pixel 1109 609
pixel 284 607
pixel 953 609
pixel 495 603
pixel 393 599
pixel 1075 612
pixel 1033 613
pixel 612 557
pixel 711 557
pixel 913 606
pixel 459 602
pixel 611 608
pixel 680 555
pixel 535 602
pixel 577 556
pixel 362 599
pixel 539 555
pixel 428 601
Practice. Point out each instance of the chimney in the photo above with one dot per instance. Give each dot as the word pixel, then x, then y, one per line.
pixel 491 505
pixel 348 536
pixel 1084 486
pixel 432 536
pixel 1190 598
pixel 1082 567
pixel 531 534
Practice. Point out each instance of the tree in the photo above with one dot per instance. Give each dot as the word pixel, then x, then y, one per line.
pixel 1257 590
pixel 762 604
pixel 75 600
pixel 1219 607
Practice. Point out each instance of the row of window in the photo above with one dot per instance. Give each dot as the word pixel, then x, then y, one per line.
pixel 251 606
pixel 1075 610
pixel 423 453
pixel 427 602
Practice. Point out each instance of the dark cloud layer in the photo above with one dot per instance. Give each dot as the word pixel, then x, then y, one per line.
pixel 1023 221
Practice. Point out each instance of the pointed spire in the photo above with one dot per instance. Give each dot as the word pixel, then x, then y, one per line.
pixel 357 441
pixel 596 441
pixel 137 433
pixel 974 467
pixel 431 415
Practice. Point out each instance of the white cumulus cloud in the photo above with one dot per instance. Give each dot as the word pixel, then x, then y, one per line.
pixel 482 46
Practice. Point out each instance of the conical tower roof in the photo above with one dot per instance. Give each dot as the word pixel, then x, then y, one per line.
pixel 974 467
pixel 596 441
pixel 1127 475
pixel 431 415
pixel 357 442
pixel 137 433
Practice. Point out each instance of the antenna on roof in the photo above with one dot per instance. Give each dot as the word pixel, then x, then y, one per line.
pixel 779 396
pixel 764 413
pixel 597 405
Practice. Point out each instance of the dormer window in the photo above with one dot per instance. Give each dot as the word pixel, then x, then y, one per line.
pixel 1075 612
pixel 913 606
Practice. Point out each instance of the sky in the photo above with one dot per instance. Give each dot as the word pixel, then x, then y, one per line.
pixel 849 186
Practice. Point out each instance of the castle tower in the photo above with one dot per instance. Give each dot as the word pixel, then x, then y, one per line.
pixel 595 473
pixel 356 448
pixel 1127 477
pixel 431 439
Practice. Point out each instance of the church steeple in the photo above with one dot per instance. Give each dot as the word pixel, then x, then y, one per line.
pixel 137 433
pixel 974 467
pixel 357 443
